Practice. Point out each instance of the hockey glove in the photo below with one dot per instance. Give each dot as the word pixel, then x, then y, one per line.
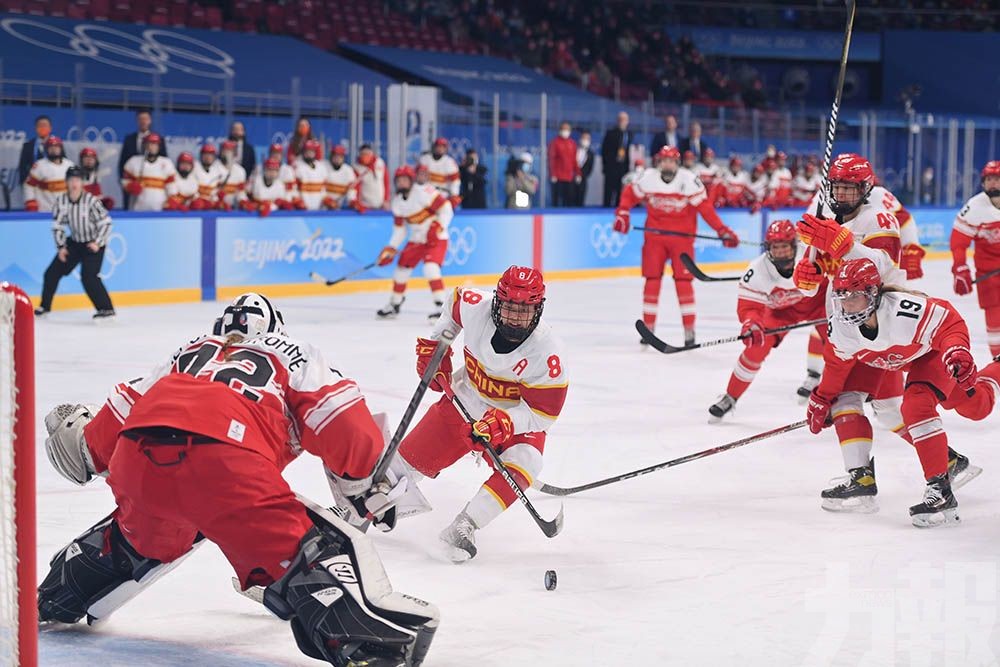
pixel 264 208
pixel 248 205
pixel 284 204
pixel 962 279
pixel 818 412
pixel 108 202
pixel 386 256
pixel 753 330
pixel 910 261
pixel 960 363
pixel 299 205
pixel 496 427
pixel 31 206
pixel 425 350
pixel 728 236
pixel 134 188
pixel 825 235
pixel 622 221
pixel 357 206
pixel 331 203
pixel 807 275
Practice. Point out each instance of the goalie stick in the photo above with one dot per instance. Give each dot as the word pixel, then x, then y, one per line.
pixel 701 275
pixel 320 278
pixel 670 232
pixel 559 491
pixel 550 528
pixel 666 348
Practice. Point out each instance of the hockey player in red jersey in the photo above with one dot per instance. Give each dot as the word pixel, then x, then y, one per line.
pixel 768 298
pixel 673 197
pixel 888 328
pixel 196 448
pixel 426 213
pixel 979 222
pixel 512 379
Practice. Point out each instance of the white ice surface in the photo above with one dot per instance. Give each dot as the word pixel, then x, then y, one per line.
pixel 723 561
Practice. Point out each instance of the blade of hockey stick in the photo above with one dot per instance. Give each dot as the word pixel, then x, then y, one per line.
pixel 701 275
pixel 559 491
pixel 320 278
pixel 661 345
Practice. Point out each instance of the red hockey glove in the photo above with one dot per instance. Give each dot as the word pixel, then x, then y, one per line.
pixel 134 188
pixel 818 412
pixel 358 206
pixel 223 205
pixel 284 204
pixel 728 236
pixel 248 205
pixel 201 204
pixel 807 275
pixel 331 203
pixel 298 204
pixel 425 350
pixel 108 202
pixel 386 256
pixel 264 209
pixel 31 205
pixel 959 361
pixel 910 261
pixel 622 221
pixel 962 279
pixel 755 207
pixel 825 235
pixel 496 427
pixel 753 329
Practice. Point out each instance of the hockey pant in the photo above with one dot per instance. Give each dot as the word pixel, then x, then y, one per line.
pixel 432 254
pixel 657 249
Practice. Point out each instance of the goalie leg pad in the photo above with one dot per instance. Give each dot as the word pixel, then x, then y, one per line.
pixel 341 605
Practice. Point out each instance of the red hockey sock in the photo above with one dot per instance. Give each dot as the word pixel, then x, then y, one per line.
pixel 925 428
pixel 650 301
pixel 993 330
pixel 685 298
pixel 746 369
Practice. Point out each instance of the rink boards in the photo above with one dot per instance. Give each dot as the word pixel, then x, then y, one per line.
pixel 168 258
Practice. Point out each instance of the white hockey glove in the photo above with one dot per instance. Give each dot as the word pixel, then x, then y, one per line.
pixel 66 445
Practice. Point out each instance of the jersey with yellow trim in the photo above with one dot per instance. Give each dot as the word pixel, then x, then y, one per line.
pixel 209 179
pixel 261 191
pixel 154 177
pixel 340 183
pixel 183 189
pixel 529 383
pixel 881 196
pixel 443 173
pixel 45 182
pixel 311 182
pixel 424 211
pixel 876 236
pixel 233 187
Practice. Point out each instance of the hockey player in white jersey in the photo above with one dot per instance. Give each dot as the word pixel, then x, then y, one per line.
pixel 183 190
pixel 736 192
pixel 47 178
pixel 425 213
pixel 267 192
pixel 710 175
pixel 373 180
pixel 286 175
pixel 310 176
pixel 513 381
pixel 442 170
pixel 209 172
pixel 341 181
pixel 805 185
pixel 147 177
pixel 232 188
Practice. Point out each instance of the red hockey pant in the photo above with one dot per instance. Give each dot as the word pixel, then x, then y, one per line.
pixel 656 250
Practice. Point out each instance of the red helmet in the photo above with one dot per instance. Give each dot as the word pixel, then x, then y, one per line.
pixel 272 163
pixel 736 161
pixel 521 284
pixel 151 138
pixel 708 152
pixel 208 148
pixel 87 151
pixel 53 140
pixel 639 162
pixel 991 168
pixel 668 151
pixel 441 141
pixel 312 145
pixel 276 148
pixel 522 289
pixel 769 163
pixel 850 168
pixel 405 170
pixel 780 231
pixel 228 145
pixel 338 149
pixel 185 157
pixel 853 277
pixel 689 155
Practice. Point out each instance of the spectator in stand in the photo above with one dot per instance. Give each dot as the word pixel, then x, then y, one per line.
pixel 134 144
pixel 373 180
pixel 562 64
pixel 564 172
pixel 519 183
pixel 33 150
pixel 585 160
pixel 245 154
pixel 47 178
pixel 89 169
pixel 694 142
pixel 473 177
pixel 668 137
pixel 615 159
pixel 303 133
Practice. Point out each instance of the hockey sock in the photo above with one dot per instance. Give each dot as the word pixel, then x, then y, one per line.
pixel 925 428
pixel 993 330
pixel 685 299
pixel 746 370
pixel 650 301
pixel 399 280
pixel 855 434
pixel 814 358
pixel 432 272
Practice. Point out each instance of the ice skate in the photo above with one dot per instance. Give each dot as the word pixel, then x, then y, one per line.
pixel 459 539
pixel 688 337
pixel 389 311
pixel 939 506
pixel 725 405
pixel 810 383
pixel 960 471
pixel 435 315
pixel 856 494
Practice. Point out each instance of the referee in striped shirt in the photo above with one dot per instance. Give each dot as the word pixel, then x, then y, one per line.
pixel 89 228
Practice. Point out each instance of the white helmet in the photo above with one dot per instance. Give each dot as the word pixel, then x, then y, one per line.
pixel 249 315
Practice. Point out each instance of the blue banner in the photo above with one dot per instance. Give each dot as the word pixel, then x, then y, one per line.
pixel 782 44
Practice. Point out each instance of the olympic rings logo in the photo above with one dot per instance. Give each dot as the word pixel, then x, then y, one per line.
pixel 154 53
pixel 114 254
pixel 607 243
pixel 461 245
pixel 92 135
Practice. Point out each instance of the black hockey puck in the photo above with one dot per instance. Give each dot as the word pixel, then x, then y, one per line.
pixel 550 580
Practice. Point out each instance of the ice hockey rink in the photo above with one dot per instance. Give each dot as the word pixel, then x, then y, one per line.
pixel 723 561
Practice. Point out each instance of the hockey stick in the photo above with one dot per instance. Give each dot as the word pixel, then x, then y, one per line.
pixel 669 232
pixel 662 346
pixel 559 491
pixel 701 275
pixel 986 276
pixel 320 278
pixel 550 528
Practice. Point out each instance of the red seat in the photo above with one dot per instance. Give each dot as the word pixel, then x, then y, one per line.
pixel 77 12
pixel 196 16
pixel 159 19
pixel 98 9
pixel 58 7
pixel 177 14
pixel 213 18
pixel 36 8
pixel 275 18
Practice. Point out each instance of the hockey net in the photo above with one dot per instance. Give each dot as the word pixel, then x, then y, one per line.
pixel 18 606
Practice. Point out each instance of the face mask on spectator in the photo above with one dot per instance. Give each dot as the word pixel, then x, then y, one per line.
pixel 564 134
pixel 584 142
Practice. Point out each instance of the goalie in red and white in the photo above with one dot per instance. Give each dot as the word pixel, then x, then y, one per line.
pixel 511 378
pixel 888 328
pixel 673 197
pixel 267 192
pixel 424 213
pixel 194 450
pixel 767 299
pixel 442 171
pixel 979 223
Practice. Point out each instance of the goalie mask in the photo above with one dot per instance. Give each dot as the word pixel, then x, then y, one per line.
pixel 518 302
pixel 249 315
pixel 857 291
